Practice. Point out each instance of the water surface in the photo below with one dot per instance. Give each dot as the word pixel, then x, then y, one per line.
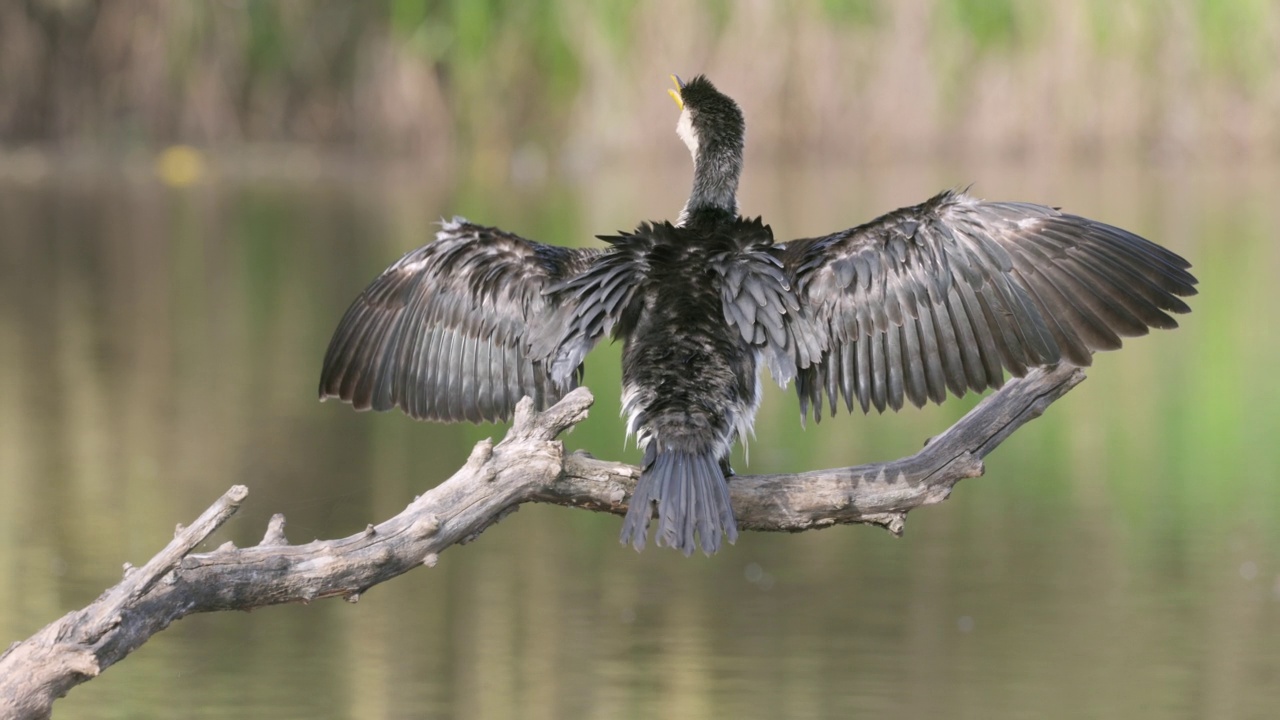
pixel 1119 559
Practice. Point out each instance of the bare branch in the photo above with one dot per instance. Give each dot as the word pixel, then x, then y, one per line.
pixel 878 493
pixel 528 465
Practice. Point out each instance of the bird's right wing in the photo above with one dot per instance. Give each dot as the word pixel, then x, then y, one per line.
pixel 756 294
pixel 447 332
pixel 949 294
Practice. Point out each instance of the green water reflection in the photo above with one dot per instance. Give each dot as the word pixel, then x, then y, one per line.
pixel 1119 559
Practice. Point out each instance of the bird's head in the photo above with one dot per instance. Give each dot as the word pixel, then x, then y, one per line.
pixel 709 119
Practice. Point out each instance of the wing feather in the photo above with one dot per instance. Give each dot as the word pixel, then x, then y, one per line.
pixel 952 294
pixel 931 357
pixel 915 385
pixel 757 296
pixel 447 332
pixel 600 300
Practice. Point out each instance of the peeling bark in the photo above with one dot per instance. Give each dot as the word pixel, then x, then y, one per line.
pixel 528 465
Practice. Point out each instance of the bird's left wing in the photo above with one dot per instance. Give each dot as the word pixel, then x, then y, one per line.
pixel 448 332
pixel 602 299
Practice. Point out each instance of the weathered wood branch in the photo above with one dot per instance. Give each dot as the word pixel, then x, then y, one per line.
pixel 528 465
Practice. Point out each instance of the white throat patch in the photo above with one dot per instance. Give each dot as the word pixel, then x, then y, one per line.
pixel 684 129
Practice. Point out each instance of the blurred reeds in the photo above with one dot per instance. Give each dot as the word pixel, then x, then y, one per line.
pixel 865 79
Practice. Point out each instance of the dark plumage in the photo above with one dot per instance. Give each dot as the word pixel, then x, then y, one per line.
pixel 444 333
pixel 945 296
pixel 948 294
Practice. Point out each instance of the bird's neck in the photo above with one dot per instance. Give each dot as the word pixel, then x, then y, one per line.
pixel 716 168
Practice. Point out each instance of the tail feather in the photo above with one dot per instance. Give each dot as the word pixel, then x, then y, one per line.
pixel 692 496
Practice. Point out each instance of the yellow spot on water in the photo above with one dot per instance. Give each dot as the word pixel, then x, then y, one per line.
pixel 180 166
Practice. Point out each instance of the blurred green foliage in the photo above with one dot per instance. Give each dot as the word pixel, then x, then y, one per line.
pixel 856 12
pixel 1234 37
pixel 413 76
pixel 988 23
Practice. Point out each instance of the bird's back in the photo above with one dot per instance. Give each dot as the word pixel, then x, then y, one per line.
pixel 688 376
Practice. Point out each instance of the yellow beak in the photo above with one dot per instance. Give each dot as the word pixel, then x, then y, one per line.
pixel 675 94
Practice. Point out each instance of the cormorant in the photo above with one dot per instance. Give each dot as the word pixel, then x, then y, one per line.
pixel 947 295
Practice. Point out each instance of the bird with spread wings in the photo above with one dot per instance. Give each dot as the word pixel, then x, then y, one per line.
pixel 951 295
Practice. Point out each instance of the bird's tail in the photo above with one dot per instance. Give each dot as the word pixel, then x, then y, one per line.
pixel 692 497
